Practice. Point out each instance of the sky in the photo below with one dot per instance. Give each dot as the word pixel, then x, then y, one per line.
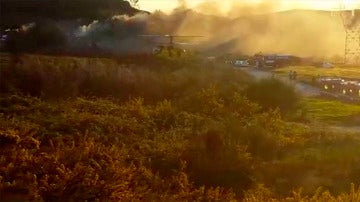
pixel 169 5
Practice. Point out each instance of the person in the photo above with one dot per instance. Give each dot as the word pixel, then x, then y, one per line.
pixel 179 52
pixel 294 75
pixel 259 60
pixel 170 50
pixel 94 46
pixel 290 74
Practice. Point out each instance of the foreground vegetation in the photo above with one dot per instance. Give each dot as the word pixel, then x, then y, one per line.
pixel 170 130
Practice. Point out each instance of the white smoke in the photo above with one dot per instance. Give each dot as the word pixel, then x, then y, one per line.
pixel 137 17
pixel 116 22
pixel 27 27
pixel 84 30
pixel 116 34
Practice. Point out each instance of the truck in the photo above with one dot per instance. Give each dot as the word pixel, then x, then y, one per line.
pixel 274 60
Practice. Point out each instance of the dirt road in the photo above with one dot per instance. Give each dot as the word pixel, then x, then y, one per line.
pixel 303 88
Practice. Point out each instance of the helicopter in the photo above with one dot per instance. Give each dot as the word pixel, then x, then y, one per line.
pixel 171 47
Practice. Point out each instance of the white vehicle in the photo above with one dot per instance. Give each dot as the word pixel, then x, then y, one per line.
pixel 241 63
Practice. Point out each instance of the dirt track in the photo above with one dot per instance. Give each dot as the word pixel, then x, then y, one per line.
pixel 303 88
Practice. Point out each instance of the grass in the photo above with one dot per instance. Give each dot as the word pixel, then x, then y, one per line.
pixel 332 111
pixel 307 73
pixel 151 78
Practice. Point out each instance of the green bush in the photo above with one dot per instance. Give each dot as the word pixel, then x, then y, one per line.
pixel 272 94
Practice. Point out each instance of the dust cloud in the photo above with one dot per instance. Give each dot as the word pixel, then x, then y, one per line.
pixel 242 28
pixel 250 28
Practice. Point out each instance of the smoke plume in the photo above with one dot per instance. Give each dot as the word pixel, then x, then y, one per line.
pixel 249 28
pixel 118 34
pixel 244 27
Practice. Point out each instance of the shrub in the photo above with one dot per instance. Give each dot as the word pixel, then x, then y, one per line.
pixel 272 94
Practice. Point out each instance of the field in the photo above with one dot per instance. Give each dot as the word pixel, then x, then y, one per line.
pixel 307 73
pixel 332 111
pixel 164 129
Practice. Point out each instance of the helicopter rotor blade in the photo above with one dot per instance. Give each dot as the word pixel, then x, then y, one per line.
pixel 184 36
pixel 167 35
pixel 184 43
pixel 176 43
pixel 151 35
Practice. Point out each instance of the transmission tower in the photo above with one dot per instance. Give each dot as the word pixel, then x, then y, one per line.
pixel 352 46
pixel 350 20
